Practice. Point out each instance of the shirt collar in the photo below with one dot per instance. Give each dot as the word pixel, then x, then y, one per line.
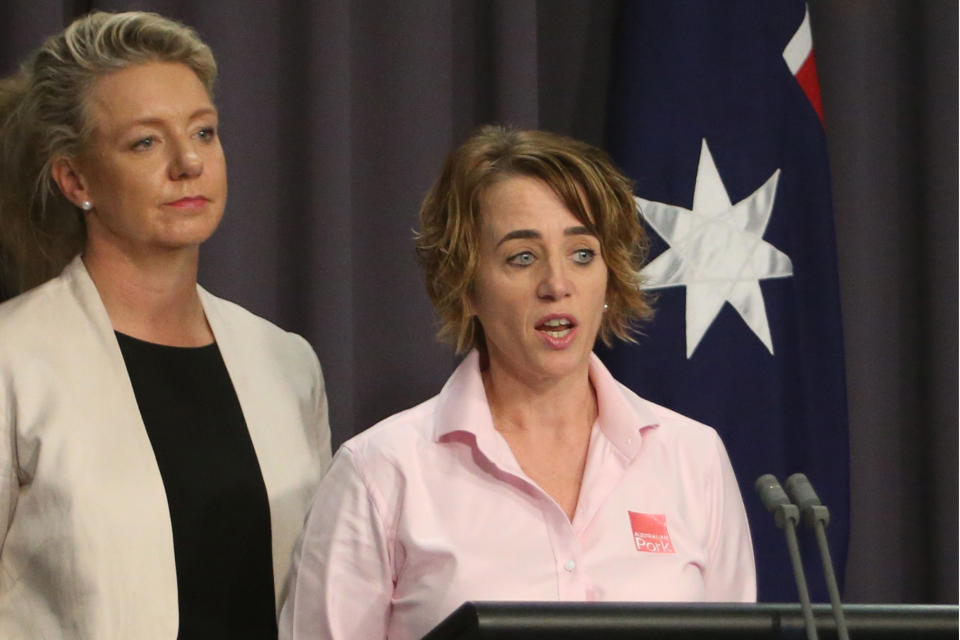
pixel 620 420
pixel 462 407
pixel 462 403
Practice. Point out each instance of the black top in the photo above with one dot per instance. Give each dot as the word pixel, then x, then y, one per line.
pixel 218 503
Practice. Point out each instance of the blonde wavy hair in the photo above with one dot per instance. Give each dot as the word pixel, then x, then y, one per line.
pixel 44 115
pixel 581 175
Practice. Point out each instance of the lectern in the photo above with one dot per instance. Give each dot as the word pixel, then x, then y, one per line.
pixel 685 621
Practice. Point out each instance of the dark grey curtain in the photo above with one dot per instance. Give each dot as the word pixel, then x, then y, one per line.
pixel 888 71
pixel 336 117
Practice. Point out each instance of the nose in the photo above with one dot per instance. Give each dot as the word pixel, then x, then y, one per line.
pixel 554 283
pixel 186 162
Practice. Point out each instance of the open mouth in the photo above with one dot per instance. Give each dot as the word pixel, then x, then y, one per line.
pixel 557 328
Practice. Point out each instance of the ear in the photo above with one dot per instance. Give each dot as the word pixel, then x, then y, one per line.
pixel 66 173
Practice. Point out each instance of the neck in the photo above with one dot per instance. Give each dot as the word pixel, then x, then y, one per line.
pixel 560 408
pixel 153 298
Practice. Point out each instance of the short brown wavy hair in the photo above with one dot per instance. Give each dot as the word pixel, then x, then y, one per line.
pixel 581 175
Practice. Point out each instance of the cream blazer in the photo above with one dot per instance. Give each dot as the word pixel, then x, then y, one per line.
pixel 86 546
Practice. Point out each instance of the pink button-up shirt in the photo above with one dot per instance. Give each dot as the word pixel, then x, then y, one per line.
pixel 429 508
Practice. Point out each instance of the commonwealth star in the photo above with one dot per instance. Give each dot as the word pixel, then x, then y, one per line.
pixel 717 252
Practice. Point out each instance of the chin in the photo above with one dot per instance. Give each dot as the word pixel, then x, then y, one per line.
pixel 557 364
pixel 189 235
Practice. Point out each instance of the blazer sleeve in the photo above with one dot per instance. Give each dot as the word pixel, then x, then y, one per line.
pixel 9 477
pixel 319 427
pixel 342 582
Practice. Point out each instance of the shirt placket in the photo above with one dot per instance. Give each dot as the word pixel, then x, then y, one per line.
pixel 573 583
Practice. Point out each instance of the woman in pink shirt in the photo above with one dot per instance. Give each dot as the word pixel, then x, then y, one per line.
pixel 533 475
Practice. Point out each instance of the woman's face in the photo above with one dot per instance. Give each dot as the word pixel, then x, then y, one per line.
pixel 154 172
pixel 540 285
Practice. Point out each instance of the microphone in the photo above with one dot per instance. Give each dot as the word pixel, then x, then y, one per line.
pixel 817 517
pixel 786 515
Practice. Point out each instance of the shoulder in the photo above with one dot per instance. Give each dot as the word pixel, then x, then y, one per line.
pixel 382 463
pixel 238 327
pixel 49 319
pixel 394 446
pixel 624 412
pixel 244 319
pixel 411 443
pixel 674 429
pixel 397 434
pixel 31 306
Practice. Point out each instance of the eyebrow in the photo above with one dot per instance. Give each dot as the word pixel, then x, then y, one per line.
pixel 532 234
pixel 199 113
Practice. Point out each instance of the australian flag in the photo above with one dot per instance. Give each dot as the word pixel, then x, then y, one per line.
pixel 715 113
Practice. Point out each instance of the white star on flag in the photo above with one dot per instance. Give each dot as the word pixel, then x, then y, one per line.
pixel 717 252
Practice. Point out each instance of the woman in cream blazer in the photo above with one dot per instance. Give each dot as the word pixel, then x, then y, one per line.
pixel 158 445
pixel 87 548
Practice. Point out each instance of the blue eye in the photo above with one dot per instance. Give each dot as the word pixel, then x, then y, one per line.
pixel 143 144
pixel 584 256
pixel 207 134
pixel 522 259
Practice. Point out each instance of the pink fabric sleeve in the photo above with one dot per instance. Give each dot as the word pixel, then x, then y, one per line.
pixel 341 581
pixel 730 575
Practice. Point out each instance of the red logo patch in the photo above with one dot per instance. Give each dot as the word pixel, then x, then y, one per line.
pixel 650 532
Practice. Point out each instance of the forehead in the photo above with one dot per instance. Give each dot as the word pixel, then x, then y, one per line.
pixel 159 90
pixel 523 202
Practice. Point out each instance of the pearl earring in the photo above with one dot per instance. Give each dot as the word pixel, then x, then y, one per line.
pixel 86 205
pixel 605 306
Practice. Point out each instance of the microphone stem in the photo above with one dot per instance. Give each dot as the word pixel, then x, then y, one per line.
pixel 831 579
pixel 794 549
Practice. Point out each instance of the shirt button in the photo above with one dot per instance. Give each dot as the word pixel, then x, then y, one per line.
pixel 570 565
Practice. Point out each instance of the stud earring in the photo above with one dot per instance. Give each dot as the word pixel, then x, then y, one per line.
pixel 86 205
pixel 605 306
